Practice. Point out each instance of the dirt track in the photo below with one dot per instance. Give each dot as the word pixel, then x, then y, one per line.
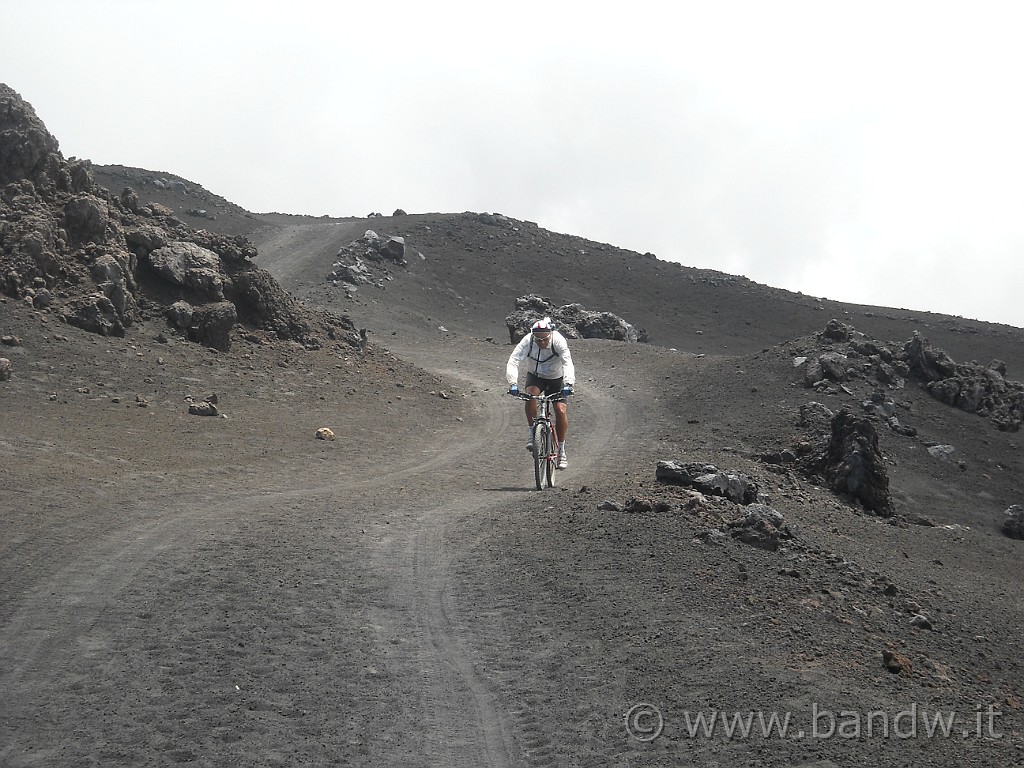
pixel 203 596
pixel 232 592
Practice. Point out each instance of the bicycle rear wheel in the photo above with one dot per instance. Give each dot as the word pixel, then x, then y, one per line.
pixel 540 452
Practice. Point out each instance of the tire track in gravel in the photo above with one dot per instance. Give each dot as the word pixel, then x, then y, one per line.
pixel 58 629
pixel 52 622
pixel 465 722
pixel 473 717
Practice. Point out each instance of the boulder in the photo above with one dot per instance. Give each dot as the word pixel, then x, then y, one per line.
pixel 682 473
pixel 571 320
pixel 896 662
pixel 357 273
pixel 942 452
pixel 1013 526
pixel 813 372
pixel 179 315
pixel 736 487
pixel 113 279
pixel 212 324
pixel 189 265
pixel 95 313
pixel 834 366
pixel 761 526
pixel 925 362
pixel 605 325
pixel 42 298
pixel 85 219
pixel 38 245
pixel 205 408
pixel 394 249
pixel 129 200
pixel 853 463
pixel 143 239
pixel 261 301
pixel 6 369
pixel 363 261
pixel 708 479
pixel 836 331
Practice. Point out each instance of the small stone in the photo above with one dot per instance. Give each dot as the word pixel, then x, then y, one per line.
pixel 921 621
pixel 896 662
pixel 203 409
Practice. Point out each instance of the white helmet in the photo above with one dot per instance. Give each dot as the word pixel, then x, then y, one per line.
pixel 543 326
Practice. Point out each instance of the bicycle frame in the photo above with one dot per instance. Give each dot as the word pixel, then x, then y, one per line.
pixel 545 456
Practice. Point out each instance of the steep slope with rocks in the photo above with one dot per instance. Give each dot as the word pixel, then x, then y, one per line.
pixel 102 260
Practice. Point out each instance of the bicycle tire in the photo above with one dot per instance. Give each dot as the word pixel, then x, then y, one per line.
pixel 540 453
pixel 552 459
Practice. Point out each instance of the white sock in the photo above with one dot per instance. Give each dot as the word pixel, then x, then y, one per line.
pixel 561 448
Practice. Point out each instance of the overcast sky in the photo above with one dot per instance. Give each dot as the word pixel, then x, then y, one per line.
pixel 870 152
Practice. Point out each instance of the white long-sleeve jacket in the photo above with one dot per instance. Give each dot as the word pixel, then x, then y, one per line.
pixel 551 363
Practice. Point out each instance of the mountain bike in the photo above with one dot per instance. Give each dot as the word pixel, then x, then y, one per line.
pixel 545 440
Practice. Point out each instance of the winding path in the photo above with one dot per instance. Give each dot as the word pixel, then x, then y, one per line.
pixel 318 622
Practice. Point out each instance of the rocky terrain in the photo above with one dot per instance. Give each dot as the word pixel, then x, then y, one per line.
pixel 777 504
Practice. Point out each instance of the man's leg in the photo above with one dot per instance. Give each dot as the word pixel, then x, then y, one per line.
pixel 561 421
pixel 531 414
pixel 562 428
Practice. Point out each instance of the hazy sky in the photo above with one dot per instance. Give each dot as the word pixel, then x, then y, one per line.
pixel 870 152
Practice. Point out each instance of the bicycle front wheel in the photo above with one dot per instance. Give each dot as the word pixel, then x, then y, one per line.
pixel 552 459
pixel 541 440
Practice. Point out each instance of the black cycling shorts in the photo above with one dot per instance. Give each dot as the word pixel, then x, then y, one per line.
pixel 546 386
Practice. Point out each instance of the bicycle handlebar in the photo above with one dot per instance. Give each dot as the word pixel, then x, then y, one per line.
pixel 550 398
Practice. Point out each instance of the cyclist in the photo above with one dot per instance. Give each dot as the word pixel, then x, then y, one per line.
pixel 549 370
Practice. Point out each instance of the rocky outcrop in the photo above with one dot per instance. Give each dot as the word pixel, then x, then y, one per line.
pixel 94 313
pixel 190 266
pixel 983 390
pixel 854 465
pixel 571 320
pixel 365 261
pixel 842 354
pixel 93 258
pixel 708 479
pixel 761 526
pixel 839 451
pixel 212 323
pixel 850 463
pixel 1013 526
